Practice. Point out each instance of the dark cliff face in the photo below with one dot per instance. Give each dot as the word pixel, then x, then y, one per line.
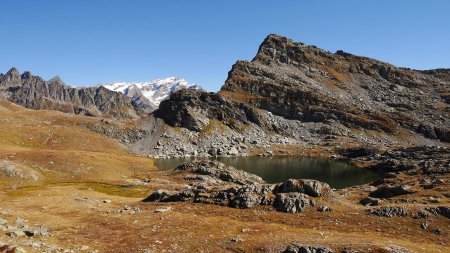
pixel 34 92
pixel 194 109
pixel 308 84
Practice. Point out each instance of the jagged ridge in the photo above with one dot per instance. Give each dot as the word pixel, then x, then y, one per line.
pixel 34 92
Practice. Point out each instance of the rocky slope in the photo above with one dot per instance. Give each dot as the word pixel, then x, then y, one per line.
pixel 295 94
pixel 36 93
pixel 309 84
pixel 148 95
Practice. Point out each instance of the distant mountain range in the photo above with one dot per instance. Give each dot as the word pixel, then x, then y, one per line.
pixel 34 92
pixel 148 95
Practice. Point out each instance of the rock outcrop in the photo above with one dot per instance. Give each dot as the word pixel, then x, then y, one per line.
pixel 34 92
pixel 216 183
pixel 390 191
pixel 301 248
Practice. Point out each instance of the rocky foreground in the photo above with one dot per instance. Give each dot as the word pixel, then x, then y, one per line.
pixel 208 206
pixel 397 195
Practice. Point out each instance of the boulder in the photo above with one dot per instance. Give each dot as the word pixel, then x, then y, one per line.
pixel 440 210
pixel 310 187
pixel 245 197
pixel 390 191
pixel 370 202
pixel 293 202
pixel 170 196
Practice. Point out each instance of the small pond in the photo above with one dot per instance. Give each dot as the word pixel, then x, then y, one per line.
pixel 278 169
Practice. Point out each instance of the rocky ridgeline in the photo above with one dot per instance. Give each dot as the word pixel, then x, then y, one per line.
pixel 215 183
pixel 34 92
pixel 311 96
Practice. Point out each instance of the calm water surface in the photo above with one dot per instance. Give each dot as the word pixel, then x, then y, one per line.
pixel 278 169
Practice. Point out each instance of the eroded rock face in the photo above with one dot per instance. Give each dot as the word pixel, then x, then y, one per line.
pixel 194 109
pixel 34 92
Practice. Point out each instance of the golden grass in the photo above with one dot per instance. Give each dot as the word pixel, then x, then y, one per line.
pixel 60 147
pixel 116 190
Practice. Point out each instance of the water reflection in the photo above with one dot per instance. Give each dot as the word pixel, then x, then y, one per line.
pixel 277 169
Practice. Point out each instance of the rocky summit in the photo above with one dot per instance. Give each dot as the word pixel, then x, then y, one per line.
pixel 340 92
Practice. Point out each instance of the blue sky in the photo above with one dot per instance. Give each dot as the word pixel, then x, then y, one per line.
pixel 87 42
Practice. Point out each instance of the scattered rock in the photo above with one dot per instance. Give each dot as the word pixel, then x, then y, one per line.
pixel 370 202
pixel 163 209
pixel 424 225
pixel 15 233
pixel 300 248
pixel 324 209
pixel 437 231
pixel 440 210
pixel 389 211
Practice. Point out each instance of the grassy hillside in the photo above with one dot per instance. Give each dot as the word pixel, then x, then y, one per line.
pixel 48 146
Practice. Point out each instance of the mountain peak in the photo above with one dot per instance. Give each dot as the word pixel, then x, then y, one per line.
pixel 150 94
pixel 56 79
pixel 277 47
pixel 26 75
pixel 13 71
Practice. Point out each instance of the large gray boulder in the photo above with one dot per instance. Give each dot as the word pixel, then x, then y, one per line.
pixel 170 196
pixel 293 202
pixel 310 187
pixel 246 196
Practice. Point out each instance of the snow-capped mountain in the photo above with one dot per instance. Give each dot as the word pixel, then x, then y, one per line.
pixel 148 95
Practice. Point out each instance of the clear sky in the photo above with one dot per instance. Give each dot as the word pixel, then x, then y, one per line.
pixel 87 42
